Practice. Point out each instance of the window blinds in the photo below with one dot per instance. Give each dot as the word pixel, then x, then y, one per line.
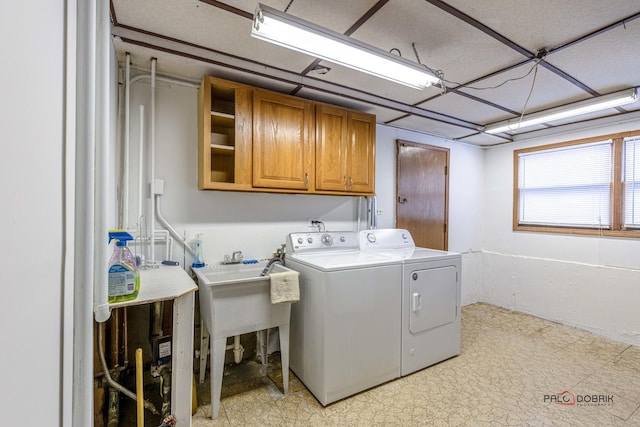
pixel 568 186
pixel 631 182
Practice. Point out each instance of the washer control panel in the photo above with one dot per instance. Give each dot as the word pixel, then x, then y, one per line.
pixel 317 241
pixel 385 238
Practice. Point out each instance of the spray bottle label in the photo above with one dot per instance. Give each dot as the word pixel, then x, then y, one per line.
pixel 122 281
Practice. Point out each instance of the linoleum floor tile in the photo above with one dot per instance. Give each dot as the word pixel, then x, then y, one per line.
pixel 630 358
pixel 509 363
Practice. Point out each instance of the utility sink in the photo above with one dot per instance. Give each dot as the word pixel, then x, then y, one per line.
pixel 229 274
pixel 234 300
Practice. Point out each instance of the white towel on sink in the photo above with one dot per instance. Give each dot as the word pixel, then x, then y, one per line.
pixel 285 287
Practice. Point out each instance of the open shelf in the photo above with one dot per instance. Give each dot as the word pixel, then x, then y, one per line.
pixel 224 150
pixel 225 117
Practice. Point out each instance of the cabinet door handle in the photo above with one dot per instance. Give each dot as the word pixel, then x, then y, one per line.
pixel 306 180
pixel 345 182
pixel 350 183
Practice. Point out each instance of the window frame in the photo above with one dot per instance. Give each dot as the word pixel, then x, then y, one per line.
pixel 615 228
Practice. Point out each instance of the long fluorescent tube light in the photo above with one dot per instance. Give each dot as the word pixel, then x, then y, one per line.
pixel 590 105
pixel 285 30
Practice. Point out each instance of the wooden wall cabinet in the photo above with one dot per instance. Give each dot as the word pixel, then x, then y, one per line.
pixel 361 155
pixel 225 123
pixel 251 139
pixel 345 150
pixel 282 141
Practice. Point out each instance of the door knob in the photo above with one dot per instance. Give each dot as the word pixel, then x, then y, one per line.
pixel 402 200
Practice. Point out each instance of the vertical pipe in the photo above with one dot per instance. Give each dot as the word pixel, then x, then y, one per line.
pixel 140 165
pixel 374 212
pixel 113 419
pixel 125 146
pixel 83 303
pixel 359 200
pixel 152 160
pixel 102 144
pixel 139 388
pixel 74 393
pixel 372 216
pixel 125 337
pixel 115 339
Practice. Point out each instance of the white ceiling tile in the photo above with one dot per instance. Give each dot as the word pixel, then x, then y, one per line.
pixel 204 39
pixel 534 24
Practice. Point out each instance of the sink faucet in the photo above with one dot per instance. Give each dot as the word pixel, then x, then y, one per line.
pixel 235 258
pixel 266 270
pixel 319 224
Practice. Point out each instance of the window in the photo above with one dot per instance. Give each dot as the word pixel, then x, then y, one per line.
pixel 631 182
pixel 584 187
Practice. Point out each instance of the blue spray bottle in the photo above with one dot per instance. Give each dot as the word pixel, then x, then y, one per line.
pixel 124 278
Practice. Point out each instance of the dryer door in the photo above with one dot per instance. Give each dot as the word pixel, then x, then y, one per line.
pixel 432 297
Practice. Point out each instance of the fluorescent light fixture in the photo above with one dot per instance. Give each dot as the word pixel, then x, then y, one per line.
pixel 285 30
pixel 590 105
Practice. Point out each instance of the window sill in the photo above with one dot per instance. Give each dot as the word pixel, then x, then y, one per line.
pixel 579 231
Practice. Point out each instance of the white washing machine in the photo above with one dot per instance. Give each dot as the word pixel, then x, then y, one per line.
pixel 345 330
pixel 430 297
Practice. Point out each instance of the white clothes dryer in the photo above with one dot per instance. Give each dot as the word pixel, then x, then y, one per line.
pixel 430 297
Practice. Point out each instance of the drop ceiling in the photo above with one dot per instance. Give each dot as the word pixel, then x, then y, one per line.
pixel 500 58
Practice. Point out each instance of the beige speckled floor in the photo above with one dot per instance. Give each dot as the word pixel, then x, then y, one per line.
pixel 509 362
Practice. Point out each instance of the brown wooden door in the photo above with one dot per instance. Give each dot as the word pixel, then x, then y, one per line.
pixel 423 193
pixel 282 141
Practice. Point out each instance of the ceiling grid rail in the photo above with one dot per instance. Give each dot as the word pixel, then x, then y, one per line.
pixel 304 80
pixel 529 55
pixel 136 36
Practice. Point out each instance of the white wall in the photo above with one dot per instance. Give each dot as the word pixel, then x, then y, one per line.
pixel 31 107
pixel 589 282
pixel 257 223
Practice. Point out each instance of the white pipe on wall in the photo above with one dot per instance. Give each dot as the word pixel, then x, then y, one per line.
pixel 101 225
pixel 83 303
pixel 162 220
pixel 140 163
pixel 152 157
pixel 359 213
pixel 125 146
pixel 372 208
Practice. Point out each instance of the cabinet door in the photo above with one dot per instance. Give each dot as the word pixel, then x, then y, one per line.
pixel 282 141
pixel 331 148
pixel 361 152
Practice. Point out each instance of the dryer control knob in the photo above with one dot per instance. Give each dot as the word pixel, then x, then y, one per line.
pixel 300 240
pixel 310 240
pixel 371 237
pixel 342 239
pixel 326 239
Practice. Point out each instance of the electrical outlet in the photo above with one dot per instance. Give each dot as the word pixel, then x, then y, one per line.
pixel 379 212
